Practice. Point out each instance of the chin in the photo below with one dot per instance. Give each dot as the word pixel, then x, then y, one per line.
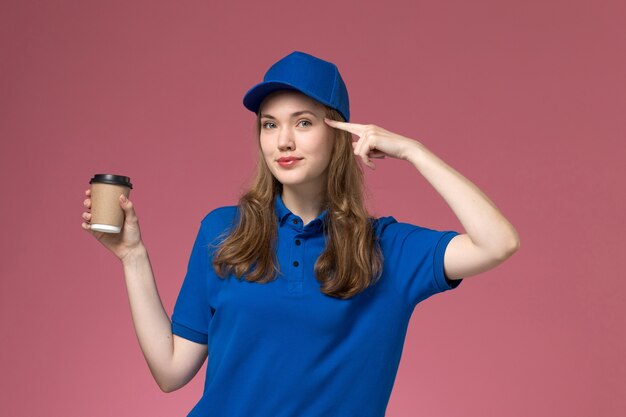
pixel 289 181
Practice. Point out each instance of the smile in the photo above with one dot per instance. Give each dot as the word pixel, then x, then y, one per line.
pixel 288 163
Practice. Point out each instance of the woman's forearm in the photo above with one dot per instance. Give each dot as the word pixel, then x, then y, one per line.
pixel 152 324
pixel 483 222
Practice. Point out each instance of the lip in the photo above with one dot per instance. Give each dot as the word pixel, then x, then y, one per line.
pixel 288 159
pixel 288 162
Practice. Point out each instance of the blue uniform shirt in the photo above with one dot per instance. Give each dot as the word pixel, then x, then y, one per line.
pixel 283 348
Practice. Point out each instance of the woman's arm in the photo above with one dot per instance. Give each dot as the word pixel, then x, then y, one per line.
pixel 173 360
pixel 490 238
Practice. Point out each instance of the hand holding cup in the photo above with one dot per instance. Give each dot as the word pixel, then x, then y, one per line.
pixel 121 239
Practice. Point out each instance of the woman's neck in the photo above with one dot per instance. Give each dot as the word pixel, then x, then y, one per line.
pixel 306 205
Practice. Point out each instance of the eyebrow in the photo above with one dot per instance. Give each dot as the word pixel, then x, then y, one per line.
pixel 298 113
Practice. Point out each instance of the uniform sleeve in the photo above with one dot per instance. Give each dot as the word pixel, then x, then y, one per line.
pixel 192 314
pixel 414 259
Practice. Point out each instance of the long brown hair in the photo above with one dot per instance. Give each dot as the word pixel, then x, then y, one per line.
pixel 352 259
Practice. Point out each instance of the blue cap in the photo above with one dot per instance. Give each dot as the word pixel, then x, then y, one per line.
pixel 302 72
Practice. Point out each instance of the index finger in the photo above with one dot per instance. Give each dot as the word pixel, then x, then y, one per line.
pixel 355 128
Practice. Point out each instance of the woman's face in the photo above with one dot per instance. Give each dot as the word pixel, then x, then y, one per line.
pixel 292 125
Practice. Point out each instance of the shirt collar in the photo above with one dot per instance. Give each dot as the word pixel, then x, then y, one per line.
pixel 282 213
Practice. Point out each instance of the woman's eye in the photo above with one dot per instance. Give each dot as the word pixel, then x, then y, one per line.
pixel 264 125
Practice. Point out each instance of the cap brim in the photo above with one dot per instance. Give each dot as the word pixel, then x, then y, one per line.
pixel 254 97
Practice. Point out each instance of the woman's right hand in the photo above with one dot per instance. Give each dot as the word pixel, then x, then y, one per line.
pixel 123 243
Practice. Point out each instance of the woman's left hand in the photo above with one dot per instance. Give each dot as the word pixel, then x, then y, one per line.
pixel 375 142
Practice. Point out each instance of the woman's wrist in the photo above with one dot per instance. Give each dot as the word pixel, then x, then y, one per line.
pixel 134 254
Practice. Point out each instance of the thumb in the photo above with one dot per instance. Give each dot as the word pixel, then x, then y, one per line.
pixel 127 205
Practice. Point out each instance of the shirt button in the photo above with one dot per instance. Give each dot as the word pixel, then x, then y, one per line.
pixel 297 242
pixel 295 263
pixel 295 221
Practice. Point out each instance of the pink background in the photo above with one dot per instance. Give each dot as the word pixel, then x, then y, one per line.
pixel 526 99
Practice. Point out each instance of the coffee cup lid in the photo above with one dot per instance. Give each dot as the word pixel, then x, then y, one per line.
pixel 112 179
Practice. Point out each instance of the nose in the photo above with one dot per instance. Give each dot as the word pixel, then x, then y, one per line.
pixel 285 140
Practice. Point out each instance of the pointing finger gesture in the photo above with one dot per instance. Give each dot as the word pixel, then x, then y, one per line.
pixel 374 141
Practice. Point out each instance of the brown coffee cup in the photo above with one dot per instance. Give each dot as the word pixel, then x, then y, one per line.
pixel 106 213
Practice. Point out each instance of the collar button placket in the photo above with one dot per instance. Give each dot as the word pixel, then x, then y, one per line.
pixel 296 263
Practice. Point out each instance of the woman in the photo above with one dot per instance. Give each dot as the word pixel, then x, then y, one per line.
pixel 300 299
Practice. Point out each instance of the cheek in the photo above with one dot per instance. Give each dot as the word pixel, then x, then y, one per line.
pixel 265 149
pixel 267 157
pixel 328 149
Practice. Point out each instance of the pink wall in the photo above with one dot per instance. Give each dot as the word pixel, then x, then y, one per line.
pixel 526 99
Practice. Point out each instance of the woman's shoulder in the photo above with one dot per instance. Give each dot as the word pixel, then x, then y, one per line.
pixel 388 226
pixel 221 214
pixel 381 224
pixel 219 221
